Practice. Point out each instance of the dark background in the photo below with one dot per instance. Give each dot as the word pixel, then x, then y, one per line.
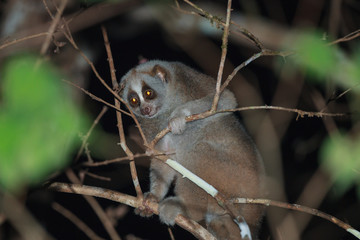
pixel 289 146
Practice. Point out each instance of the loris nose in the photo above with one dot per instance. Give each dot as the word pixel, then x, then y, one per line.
pixel 146 110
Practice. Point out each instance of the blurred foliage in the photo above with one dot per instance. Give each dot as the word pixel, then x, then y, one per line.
pixel 325 61
pixel 39 123
pixel 340 153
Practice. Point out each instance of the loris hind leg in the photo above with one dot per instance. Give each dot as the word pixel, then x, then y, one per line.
pixel 223 227
pixel 169 208
pixel 161 176
pixel 190 201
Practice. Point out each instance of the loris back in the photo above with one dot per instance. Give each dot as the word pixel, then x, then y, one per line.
pixel 216 148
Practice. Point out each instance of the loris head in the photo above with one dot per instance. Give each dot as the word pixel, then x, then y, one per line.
pixel 145 88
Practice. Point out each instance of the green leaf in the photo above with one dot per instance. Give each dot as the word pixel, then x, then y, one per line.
pixel 39 123
pixel 340 156
pixel 314 54
pixel 324 61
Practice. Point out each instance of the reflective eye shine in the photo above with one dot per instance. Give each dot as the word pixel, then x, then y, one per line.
pixel 134 101
pixel 148 93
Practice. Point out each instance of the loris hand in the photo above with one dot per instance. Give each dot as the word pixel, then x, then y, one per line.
pixel 177 121
pixel 145 210
pixel 177 125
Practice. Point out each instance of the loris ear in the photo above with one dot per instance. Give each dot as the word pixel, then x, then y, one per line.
pixel 121 87
pixel 161 73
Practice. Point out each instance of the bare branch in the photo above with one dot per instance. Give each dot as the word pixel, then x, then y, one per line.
pixel 219 22
pixel 75 220
pixel 106 222
pixel 171 234
pixel 300 113
pixel 86 137
pixel 299 208
pixel 93 175
pixel 69 37
pixel 348 37
pixel 97 98
pixel 52 27
pixel 117 160
pixel 15 41
pixel 223 58
pixel 119 118
pixel 136 202
pixel 196 229
pixel 264 52
pixel 21 219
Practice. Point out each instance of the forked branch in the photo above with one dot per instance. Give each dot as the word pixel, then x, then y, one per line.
pixel 196 229
pixel 180 220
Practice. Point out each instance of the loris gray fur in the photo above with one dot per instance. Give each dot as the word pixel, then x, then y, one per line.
pixel 217 149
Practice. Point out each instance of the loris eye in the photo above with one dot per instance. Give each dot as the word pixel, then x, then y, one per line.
pixel 134 101
pixel 149 94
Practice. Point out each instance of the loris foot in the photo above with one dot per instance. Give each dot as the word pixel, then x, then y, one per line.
pixel 169 208
pixel 145 210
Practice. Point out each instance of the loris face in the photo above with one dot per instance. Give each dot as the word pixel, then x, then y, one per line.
pixel 144 89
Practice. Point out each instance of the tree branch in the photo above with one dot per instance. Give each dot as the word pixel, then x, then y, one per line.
pixel 348 37
pixel 223 58
pixel 196 229
pixel 53 26
pixel 119 118
pixel 76 221
pixel 300 208
pixel 87 135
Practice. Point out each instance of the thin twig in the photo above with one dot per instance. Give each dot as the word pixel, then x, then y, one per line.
pixel 240 31
pixel 87 152
pixel 106 222
pixel 87 135
pixel 237 31
pixel 196 229
pixel 136 202
pixel 96 176
pixel 348 37
pixel 335 98
pixel 48 9
pixel 206 114
pixel 171 234
pixel 224 47
pixel 52 27
pixel 300 113
pixel 264 52
pixel 21 219
pixel 97 98
pixel 15 41
pixel 71 40
pixel 117 160
pixel 219 22
pixel 119 118
pixel 299 208
pixel 69 37
pixel 76 221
